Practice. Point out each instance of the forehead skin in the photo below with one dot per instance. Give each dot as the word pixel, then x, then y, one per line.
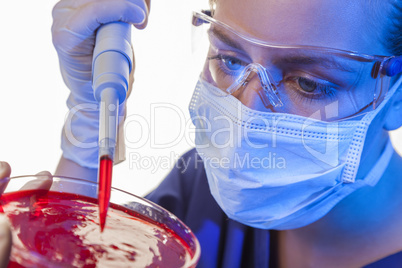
pixel 342 24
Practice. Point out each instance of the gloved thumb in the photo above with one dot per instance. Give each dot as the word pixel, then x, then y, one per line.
pixel 5 172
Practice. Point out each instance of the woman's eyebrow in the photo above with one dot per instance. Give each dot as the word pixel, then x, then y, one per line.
pixel 214 31
pixel 326 62
pixel 302 57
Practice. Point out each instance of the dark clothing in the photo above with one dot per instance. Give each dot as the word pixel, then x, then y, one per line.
pixel 224 242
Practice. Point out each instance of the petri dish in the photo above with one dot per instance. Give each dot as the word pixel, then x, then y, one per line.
pixel 59 227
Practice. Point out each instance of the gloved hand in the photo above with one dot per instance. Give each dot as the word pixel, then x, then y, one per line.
pixel 44 181
pixel 5 231
pixel 74 26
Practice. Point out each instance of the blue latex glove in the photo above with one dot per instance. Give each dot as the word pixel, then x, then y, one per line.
pixel 74 26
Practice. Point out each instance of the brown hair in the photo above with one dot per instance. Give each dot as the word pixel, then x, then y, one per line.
pixel 394 31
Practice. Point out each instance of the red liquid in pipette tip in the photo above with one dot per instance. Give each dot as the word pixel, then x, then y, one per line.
pixel 105 184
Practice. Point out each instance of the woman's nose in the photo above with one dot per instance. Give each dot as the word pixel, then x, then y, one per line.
pixel 252 95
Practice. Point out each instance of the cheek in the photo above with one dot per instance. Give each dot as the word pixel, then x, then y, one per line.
pixel 376 137
pixel 373 146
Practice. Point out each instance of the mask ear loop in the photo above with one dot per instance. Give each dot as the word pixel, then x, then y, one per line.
pixel 266 80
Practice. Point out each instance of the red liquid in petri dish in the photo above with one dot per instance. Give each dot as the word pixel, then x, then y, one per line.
pixel 52 229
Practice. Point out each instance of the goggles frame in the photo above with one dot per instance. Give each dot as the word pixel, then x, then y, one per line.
pixel 387 65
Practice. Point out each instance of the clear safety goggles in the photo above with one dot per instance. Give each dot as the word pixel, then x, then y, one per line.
pixel 294 79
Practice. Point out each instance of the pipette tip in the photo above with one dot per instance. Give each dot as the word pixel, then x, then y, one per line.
pixel 102 221
pixel 105 185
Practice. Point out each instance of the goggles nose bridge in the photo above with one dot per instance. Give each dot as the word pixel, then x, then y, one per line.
pixel 266 81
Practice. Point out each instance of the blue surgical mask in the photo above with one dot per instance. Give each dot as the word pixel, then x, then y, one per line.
pixel 278 171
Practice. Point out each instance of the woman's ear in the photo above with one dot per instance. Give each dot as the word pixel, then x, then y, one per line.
pixel 393 119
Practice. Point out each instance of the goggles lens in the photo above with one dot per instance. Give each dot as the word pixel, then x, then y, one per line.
pixel 323 83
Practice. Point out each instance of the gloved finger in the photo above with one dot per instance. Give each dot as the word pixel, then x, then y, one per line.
pixel 144 24
pixel 43 181
pixel 5 241
pixel 5 171
pixel 84 20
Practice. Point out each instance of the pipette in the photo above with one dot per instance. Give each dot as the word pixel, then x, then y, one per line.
pixel 112 63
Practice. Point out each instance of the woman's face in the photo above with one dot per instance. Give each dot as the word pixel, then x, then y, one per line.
pixel 341 24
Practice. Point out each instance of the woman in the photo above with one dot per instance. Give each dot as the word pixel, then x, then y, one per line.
pixel 290 82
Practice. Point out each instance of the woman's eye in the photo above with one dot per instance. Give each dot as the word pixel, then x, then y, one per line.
pixel 307 84
pixel 232 64
pixel 228 63
pixel 312 89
